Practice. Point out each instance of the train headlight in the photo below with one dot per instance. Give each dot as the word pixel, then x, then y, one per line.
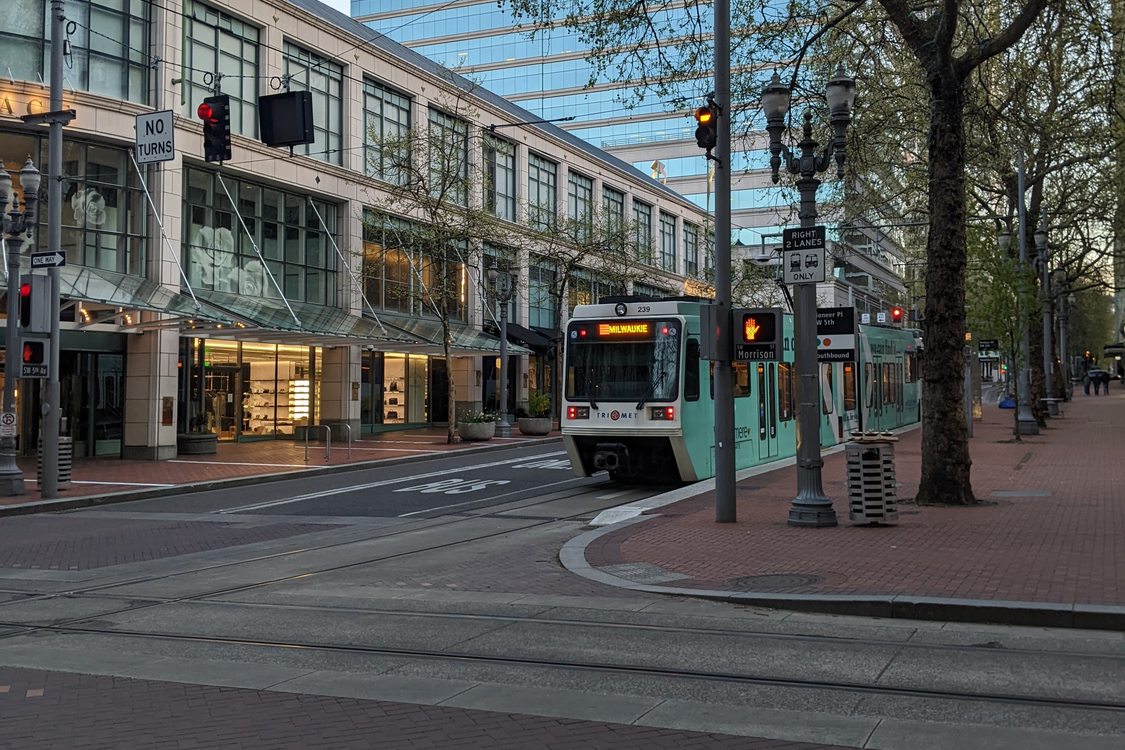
pixel 662 413
pixel 578 412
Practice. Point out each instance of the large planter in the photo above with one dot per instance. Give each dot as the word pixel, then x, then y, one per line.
pixel 476 430
pixel 535 425
pixel 197 443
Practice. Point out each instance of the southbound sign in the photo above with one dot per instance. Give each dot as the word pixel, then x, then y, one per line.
pixel 835 334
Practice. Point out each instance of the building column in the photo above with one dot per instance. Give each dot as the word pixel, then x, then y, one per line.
pixel 339 403
pixel 150 396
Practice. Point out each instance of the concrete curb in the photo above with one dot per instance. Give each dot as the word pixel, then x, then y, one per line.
pixel 86 501
pixel 897 606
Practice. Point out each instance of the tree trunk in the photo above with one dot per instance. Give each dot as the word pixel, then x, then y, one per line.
pixel 945 447
pixel 1038 378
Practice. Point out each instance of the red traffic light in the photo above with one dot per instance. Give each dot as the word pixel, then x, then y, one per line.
pixel 207 113
pixel 896 314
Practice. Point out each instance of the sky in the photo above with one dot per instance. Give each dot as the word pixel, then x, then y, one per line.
pixel 344 6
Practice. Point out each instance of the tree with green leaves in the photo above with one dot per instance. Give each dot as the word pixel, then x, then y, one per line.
pixel 427 222
pixel 941 49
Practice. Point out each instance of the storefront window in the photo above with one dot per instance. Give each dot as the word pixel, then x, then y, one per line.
pixel 400 275
pixel 285 226
pixel 257 390
pixel 104 213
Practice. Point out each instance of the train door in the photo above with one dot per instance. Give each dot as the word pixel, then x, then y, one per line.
pixel 849 406
pixel 767 410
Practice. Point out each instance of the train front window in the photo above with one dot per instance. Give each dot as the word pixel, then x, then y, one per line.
pixel 623 360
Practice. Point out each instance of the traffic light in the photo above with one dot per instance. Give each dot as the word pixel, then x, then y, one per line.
pixel 25 302
pixel 897 315
pixel 215 114
pixel 35 303
pixel 34 352
pixel 707 130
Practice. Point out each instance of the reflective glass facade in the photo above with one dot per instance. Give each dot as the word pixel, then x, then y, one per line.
pixel 548 75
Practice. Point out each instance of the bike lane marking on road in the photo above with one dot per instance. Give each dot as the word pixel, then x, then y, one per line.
pixel 487 499
pixel 380 483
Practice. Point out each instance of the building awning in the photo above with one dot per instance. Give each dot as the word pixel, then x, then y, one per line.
pixel 124 293
pixel 466 341
pixel 318 325
pixel 521 336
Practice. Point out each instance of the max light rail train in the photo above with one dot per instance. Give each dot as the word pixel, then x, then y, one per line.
pixel 639 399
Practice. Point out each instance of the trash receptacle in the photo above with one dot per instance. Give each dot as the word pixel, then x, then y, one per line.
pixel 66 459
pixel 872 494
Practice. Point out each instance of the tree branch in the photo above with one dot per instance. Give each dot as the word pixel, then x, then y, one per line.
pixel 1005 39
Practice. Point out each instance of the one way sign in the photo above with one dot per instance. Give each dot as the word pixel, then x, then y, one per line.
pixel 56 259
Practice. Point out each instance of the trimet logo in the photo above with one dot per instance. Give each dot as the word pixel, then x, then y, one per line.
pixel 616 415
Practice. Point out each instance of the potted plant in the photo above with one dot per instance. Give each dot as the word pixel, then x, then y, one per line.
pixel 480 425
pixel 538 421
pixel 199 441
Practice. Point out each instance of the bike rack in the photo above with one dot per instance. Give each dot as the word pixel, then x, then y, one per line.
pixel 348 427
pixel 327 441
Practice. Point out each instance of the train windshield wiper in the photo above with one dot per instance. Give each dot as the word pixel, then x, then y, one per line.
pixel 652 389
pixel 591 388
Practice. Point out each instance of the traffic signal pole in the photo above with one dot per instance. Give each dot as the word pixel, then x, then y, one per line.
pixel 725 508
pixel 52 409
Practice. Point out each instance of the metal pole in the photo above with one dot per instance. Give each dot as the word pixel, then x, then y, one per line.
pixel 725 508
pixel 503 429
pixel 1064 354
pixel 1045 297
pixel 811 507
pixel 52 409
pixel 1025 420
pixel 11 477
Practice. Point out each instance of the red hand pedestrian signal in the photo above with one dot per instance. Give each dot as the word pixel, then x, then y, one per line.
pixel 750 329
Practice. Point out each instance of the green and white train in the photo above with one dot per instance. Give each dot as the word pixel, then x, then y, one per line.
pixel 639 399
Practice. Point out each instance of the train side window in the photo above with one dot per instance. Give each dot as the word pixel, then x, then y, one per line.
pixel 868 385
pixel 849 386
pixel 911 367
pixel 691 371
pixel 785 391
pixel 828 396
pixel 741 379
pixel 771 403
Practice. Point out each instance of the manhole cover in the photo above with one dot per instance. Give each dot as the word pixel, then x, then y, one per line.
pixel 775 582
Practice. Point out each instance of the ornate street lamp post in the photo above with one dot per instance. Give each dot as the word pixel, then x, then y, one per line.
pixel 810 507
pixel 502 286
pixel 15 224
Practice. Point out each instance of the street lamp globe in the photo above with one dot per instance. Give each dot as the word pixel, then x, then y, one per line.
pixel 1040 237
pixel 492 273
pixel 1004 240
pixel 840 93
pixel 29 180
pixel 5 187
pixel 775 100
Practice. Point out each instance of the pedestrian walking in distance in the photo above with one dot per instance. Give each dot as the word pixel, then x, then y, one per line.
pixel 1105 382
pixel 1086 383
pixel 1097 378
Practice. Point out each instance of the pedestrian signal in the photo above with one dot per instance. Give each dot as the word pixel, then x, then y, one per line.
pixel 757 334
pixel 707 130
pixel 215 114
pixel 35 352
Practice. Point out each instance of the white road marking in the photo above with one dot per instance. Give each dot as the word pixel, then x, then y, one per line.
pixel 494 497
pixel 381 483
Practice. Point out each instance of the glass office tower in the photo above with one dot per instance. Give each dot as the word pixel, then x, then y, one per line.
pixel 549 76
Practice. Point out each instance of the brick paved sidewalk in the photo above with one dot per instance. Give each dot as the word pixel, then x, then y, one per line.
pixel 1051 528
pixel 101 476
pixel 63 711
